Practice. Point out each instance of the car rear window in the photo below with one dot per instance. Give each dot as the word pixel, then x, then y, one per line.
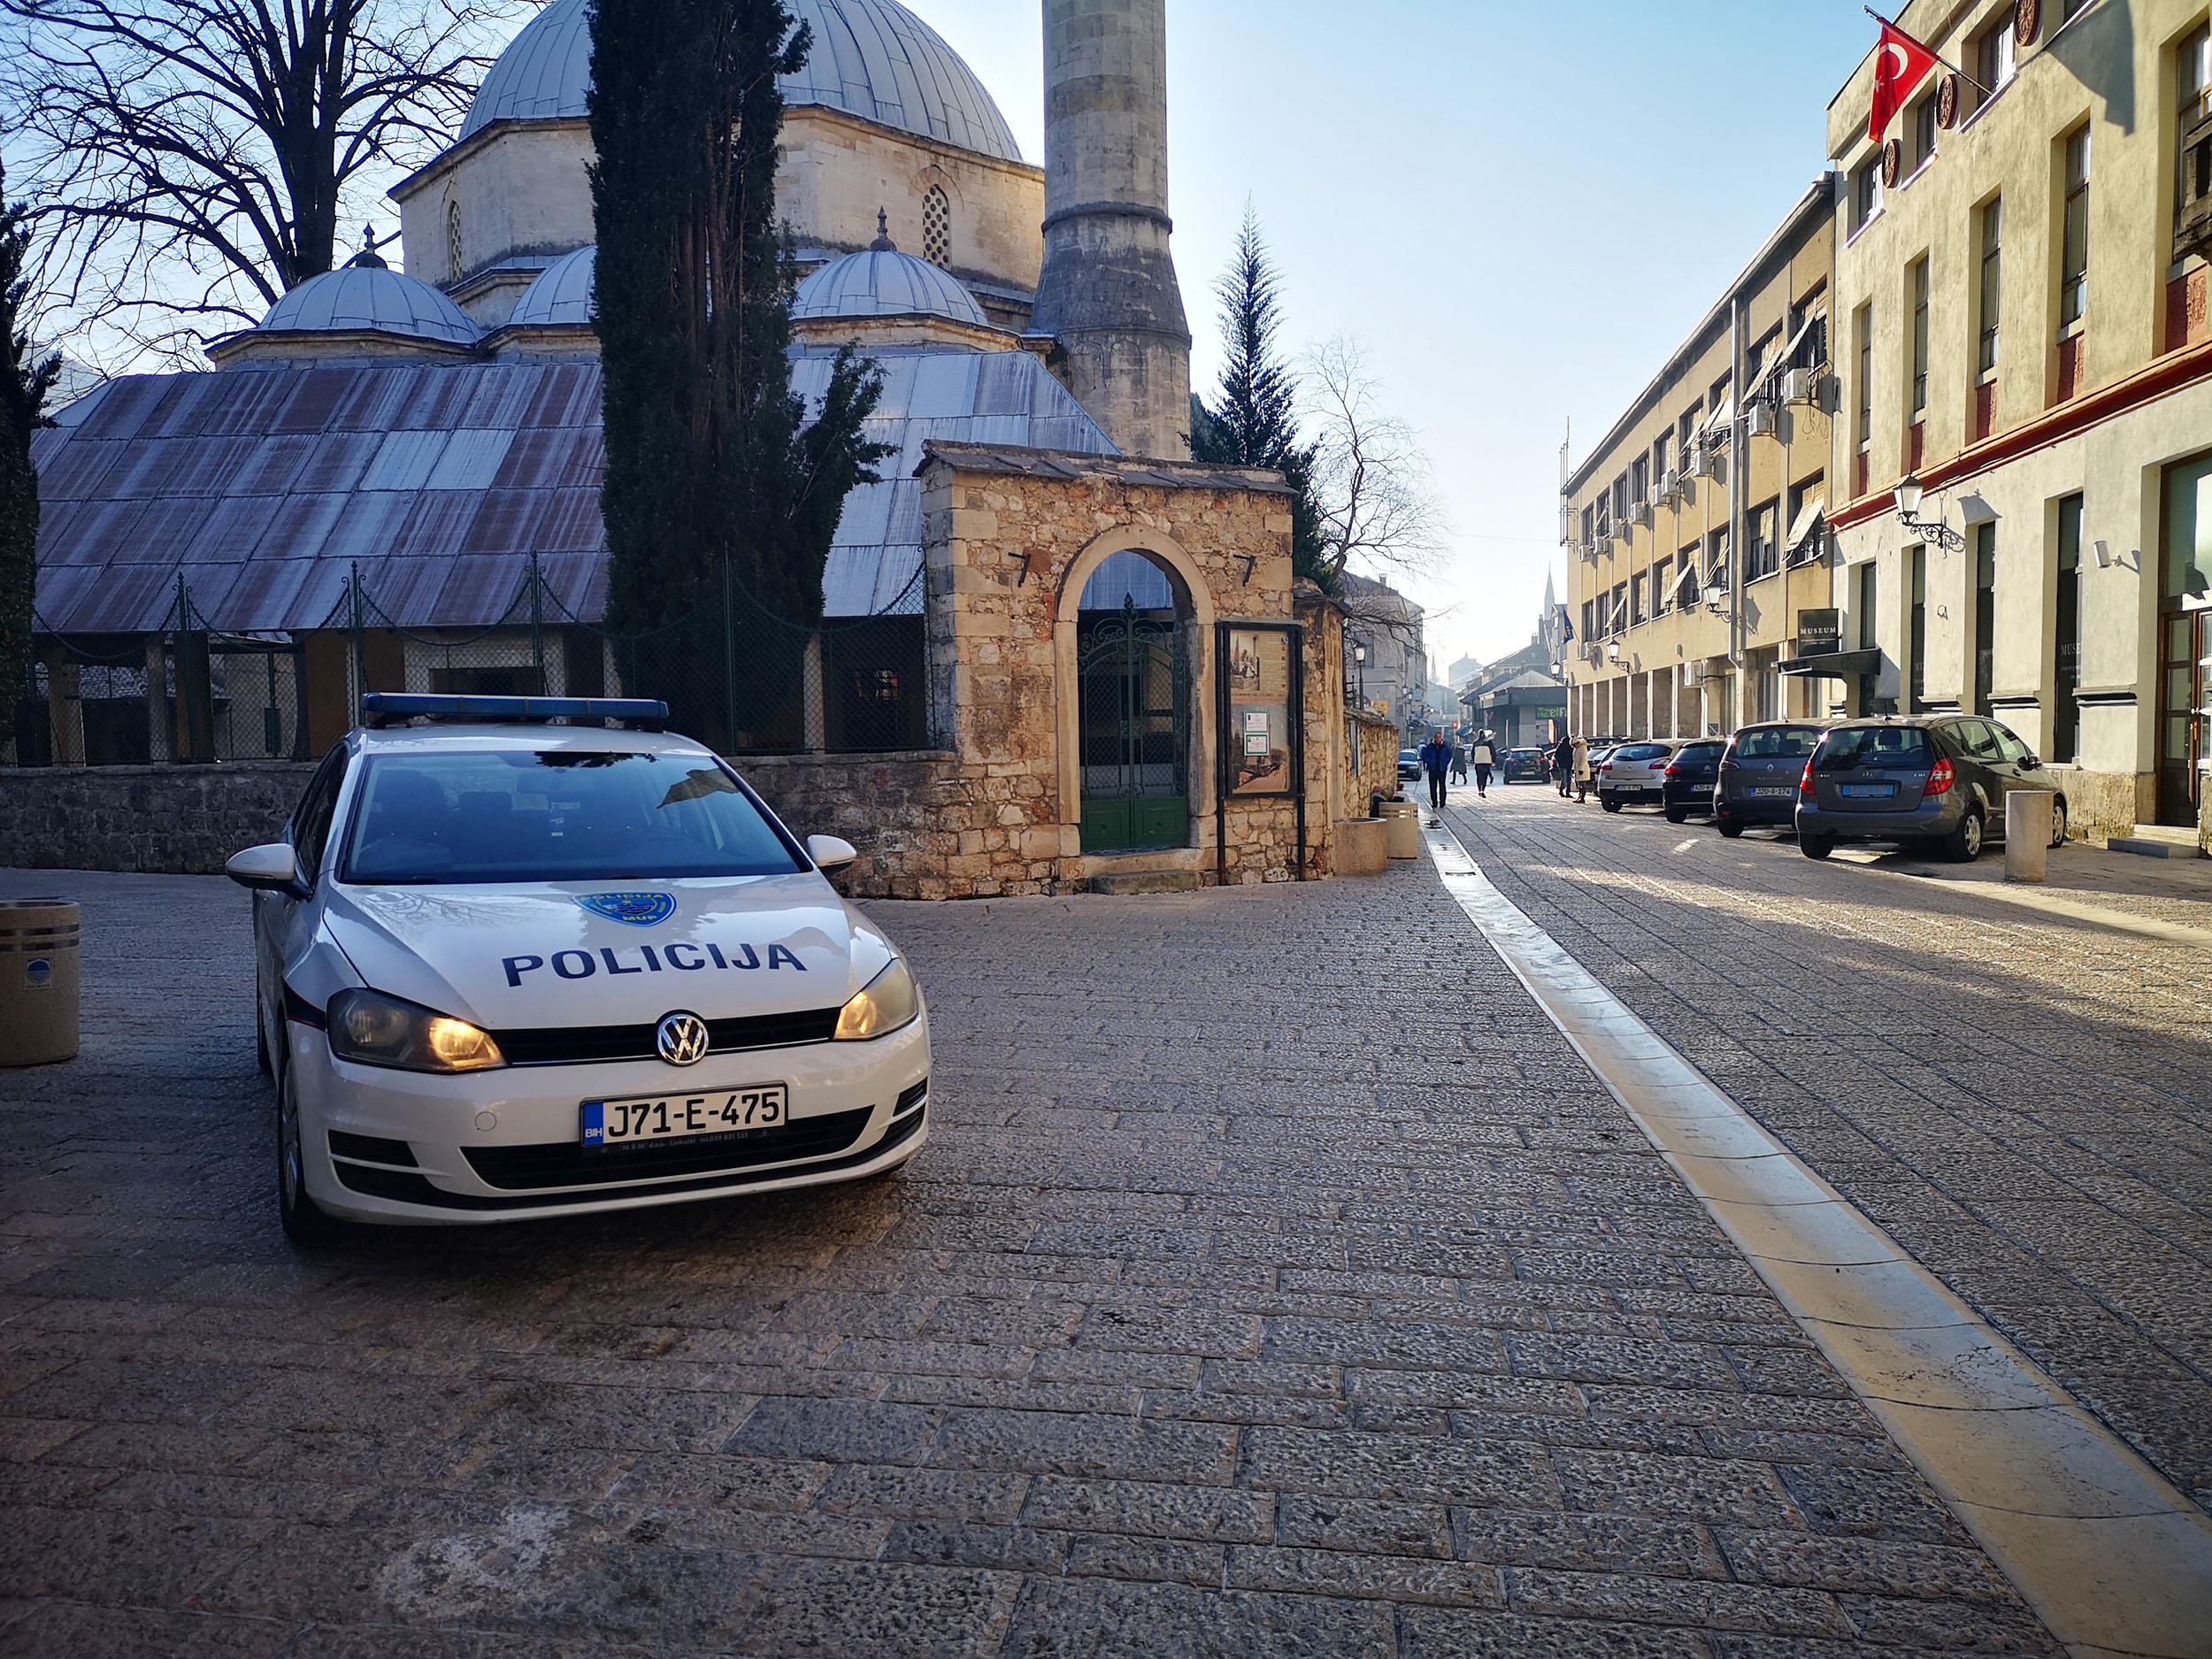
pixel 1640 751
pixel 1778 742
pixel 1875 746
pixel 1700 753
pixel 521 815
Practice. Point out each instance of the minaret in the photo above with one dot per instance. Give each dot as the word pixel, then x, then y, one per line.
pixel 1109 294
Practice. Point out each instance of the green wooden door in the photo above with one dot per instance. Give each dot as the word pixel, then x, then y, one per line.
pixel 1135 733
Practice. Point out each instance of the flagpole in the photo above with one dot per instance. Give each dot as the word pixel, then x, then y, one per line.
pixel 1930 51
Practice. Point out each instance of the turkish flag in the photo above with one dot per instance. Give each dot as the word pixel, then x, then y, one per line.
pixel 1900 64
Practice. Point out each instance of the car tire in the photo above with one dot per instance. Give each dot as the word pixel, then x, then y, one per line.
pixel 1816 846
pixel 306 1223
pixel 2058 821
pixel 1678 815
pixel 1729 828
pixel 1963 845
pixel 1608 803
pixel 261 1060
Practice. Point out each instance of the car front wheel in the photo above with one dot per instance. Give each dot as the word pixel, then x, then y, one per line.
pixel 305 1222
pixel 1965 844
pixel 1816 846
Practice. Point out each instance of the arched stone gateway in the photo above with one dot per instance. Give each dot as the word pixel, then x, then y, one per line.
pixel 1133 707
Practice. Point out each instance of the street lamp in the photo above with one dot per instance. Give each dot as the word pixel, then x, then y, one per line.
pixel 1910 492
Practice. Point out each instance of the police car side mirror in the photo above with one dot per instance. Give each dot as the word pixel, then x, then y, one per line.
pixel 831 853
pixel 271 869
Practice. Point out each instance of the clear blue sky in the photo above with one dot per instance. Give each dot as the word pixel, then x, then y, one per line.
pixel 1519 210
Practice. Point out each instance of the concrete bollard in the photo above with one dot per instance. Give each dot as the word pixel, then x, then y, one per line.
pixel 2028 835
pixel 38 981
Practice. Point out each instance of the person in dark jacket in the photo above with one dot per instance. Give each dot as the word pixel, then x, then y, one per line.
pixel 1436 762
pixel 1563 766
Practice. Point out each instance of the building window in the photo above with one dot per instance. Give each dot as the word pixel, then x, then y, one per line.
pixel 1589 526
pixel 1866 192
pixel 1689 588
pixel 1717 560
pixel 1809 330
pixel 937 226
pixel 2073 279
pixel 1862 423
pixel 1659 594
pixel 2193 171
pixel 1589 619
pixel 1636 602
pixel 1993 58
pixel 1662 453
pixel 1917 630
pixel 1992 293
pixel 1984 615
pixel 454 267
pixel 1867 590
pixel 1924 132
pixel 2065 745
pixel 1919 285
pixel 1685 433
pixel 1761 554
pixel 1619 621
pixel 1620 503
pixel 1639 481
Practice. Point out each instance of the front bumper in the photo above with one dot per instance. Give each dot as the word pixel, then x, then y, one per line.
pixel 505 1145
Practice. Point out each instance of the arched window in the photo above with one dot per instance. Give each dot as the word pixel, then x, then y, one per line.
pixel 937 226
pixel 453 242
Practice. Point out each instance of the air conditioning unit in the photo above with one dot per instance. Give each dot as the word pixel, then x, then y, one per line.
pixel 1801 386
pixel 1640 513
pixel 1668 488
pixel 1762 419
pixel 1593 652
pixel 1700 458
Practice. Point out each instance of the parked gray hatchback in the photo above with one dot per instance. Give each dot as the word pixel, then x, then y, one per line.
pixel 1941 780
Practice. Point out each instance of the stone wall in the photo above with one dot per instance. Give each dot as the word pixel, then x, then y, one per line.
pixel 165 821
pixel 1379 746
pixel 896 810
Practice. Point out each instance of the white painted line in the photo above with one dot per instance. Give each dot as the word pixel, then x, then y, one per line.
pixel 2108 1554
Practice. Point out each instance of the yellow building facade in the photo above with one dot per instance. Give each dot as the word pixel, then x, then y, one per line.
pixel 2024 434
pixel 1697 544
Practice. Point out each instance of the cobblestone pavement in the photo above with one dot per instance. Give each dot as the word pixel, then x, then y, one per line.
pixel 2024 1101
pixel 1277 1284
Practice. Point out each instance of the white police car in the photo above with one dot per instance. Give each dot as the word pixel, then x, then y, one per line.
pixel 531 956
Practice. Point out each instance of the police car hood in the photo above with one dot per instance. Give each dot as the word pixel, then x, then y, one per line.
pixel 533 955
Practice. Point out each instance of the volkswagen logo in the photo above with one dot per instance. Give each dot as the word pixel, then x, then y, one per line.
pixel 681 1039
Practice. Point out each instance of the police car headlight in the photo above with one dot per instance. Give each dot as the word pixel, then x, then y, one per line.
pixel 890 1002
pixel 372 1029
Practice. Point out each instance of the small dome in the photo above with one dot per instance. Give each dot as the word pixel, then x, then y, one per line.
pixel 363 298
pixel 561 296
pixel 881 281
pixel 872 58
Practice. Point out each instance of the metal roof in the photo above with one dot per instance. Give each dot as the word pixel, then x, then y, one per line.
pixel 884 282
pixel 262 488
pixel 872 58
pixel 560 297
pixel 356 297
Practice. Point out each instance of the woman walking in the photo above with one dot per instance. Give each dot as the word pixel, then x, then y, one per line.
pixel 1483 754
pixel 1584 776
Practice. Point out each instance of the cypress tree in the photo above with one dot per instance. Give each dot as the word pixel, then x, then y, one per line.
pixel 1253 420
pixel 721 496
pixel 23 387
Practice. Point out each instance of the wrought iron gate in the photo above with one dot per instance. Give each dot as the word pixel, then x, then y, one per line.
pixel 1134 675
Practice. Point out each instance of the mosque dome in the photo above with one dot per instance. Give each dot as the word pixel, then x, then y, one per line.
pixel 370 298
pixel 560 297
pixel 872 58
pixel 881 281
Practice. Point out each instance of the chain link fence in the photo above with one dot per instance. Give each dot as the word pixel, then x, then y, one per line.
pixel 735 673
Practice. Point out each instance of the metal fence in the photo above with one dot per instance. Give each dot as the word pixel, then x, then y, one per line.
pixel 733 672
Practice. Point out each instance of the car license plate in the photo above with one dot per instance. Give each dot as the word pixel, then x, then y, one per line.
pixel 719 1113
pixel 1868 791
pixel 1769 792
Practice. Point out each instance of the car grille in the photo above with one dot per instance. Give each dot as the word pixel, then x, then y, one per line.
pixel 584 1045
pixel 416 1189
pixel 567 1164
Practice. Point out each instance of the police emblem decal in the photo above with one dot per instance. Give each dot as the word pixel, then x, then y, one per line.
pixel 681 1039
pixel 634 910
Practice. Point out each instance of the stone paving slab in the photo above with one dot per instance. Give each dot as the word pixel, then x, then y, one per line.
pixel 2023 1101
pixel 1277 1282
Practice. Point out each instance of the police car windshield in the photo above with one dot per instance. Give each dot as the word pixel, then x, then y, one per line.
pixel 443 820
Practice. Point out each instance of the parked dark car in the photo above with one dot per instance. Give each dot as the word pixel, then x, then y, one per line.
pixel 1760 773
pixel 1408 765
pixel 1527 765
pixel 1690 776
pixel 1941 780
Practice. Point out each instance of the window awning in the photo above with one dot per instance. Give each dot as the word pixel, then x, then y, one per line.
pixel 1834 665
pixel 1812 517
pixel 1723 417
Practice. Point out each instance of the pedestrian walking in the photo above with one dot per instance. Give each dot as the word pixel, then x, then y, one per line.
pixel 1563 766
pixel 1484 756
pixel 1584 776
pixel 1459 760
pixel 1436 762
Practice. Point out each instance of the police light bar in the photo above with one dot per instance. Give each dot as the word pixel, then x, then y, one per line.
pixel 391 707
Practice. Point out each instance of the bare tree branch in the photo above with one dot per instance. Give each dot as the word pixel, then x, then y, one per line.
pixel 188 161
pixel 1371 478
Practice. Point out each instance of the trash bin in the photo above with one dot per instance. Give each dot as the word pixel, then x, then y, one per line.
pixel 38 981
pixel 2028 824
pixel 1404 819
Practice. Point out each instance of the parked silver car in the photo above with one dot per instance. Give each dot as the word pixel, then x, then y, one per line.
pixel 1941 780
pixel 1635 772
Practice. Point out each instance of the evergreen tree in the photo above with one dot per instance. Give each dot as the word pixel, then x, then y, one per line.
pixel 721 496
pixel 1253 420
pixel 23 387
